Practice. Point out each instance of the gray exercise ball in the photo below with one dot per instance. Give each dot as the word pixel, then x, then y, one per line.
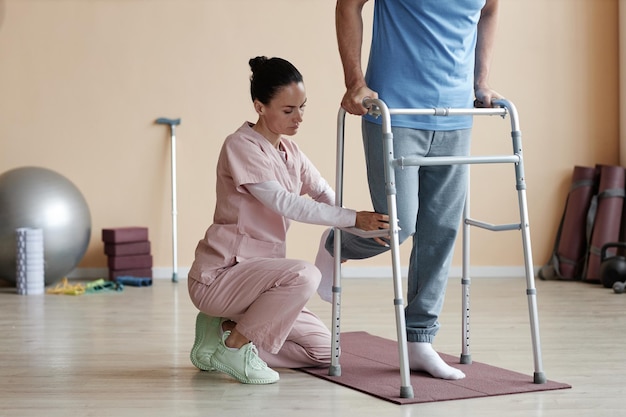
pixel 43 199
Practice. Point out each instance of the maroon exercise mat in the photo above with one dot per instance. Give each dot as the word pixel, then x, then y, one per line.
pixel 572 242
pixel 369 364
pixel 606 227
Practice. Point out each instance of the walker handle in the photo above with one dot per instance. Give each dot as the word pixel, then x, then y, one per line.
pixel 371 107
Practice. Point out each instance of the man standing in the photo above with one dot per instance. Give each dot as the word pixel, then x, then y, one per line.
pixel 424 54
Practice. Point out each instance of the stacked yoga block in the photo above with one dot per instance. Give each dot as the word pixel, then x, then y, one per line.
pixel 128 255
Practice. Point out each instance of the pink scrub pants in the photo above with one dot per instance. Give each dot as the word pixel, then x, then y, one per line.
pixel 266 297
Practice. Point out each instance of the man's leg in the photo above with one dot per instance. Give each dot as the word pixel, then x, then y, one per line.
pixel 352 246
pixel 442 197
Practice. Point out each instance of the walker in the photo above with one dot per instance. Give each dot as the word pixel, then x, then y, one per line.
pixel 379 109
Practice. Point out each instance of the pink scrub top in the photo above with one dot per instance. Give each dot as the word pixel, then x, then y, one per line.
pixel 243 228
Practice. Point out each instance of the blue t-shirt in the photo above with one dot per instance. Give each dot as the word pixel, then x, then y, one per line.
pixel 422 56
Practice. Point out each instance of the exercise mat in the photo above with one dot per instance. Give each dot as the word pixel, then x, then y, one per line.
pixel 572 243
pixel 607 215
pixel 369 364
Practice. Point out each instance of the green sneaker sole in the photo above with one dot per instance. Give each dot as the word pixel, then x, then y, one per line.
pixel 242 378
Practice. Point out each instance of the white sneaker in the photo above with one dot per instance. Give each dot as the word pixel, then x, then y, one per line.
pixel 243 364
pixel 206 341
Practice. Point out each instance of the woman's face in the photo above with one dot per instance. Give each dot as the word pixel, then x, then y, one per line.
pixel 283 114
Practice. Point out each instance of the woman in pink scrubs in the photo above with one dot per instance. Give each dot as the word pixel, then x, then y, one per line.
pixel 249 295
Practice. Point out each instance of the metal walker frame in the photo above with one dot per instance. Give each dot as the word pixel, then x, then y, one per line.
pixel 378 108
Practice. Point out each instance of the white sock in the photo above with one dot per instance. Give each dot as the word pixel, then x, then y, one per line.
pixel 422 357
pixel 325 262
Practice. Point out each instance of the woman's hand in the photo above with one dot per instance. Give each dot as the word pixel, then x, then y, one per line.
pixel 367 220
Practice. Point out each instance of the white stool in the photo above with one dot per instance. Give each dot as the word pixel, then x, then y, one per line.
pixel 379 108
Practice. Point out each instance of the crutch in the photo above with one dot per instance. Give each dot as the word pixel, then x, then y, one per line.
pixel 172 124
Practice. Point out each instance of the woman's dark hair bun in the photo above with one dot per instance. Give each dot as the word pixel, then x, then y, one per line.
pixel 257 62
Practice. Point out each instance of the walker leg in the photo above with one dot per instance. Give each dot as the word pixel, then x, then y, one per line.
pixel 335 367
pixel 466 356
pixel 531 292
pixel 406 389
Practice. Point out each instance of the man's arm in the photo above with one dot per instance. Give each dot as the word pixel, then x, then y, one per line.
pixel 349 27
pixel 484 50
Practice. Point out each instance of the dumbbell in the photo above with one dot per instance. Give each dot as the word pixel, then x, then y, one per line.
pixel 619 287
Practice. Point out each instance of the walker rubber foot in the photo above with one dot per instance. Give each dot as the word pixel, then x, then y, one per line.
pixel 334 370
pixel 539 378
pixel 406 392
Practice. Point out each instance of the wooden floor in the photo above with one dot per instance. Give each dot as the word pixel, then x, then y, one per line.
pixel 126 354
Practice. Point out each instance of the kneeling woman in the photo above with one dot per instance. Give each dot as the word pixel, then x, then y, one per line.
pixel 247 292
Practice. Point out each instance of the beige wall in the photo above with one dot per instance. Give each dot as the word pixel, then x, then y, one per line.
pixel 82 81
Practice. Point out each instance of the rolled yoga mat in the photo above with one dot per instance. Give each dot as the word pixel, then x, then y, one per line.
pixel 571 239
pixel 605 215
